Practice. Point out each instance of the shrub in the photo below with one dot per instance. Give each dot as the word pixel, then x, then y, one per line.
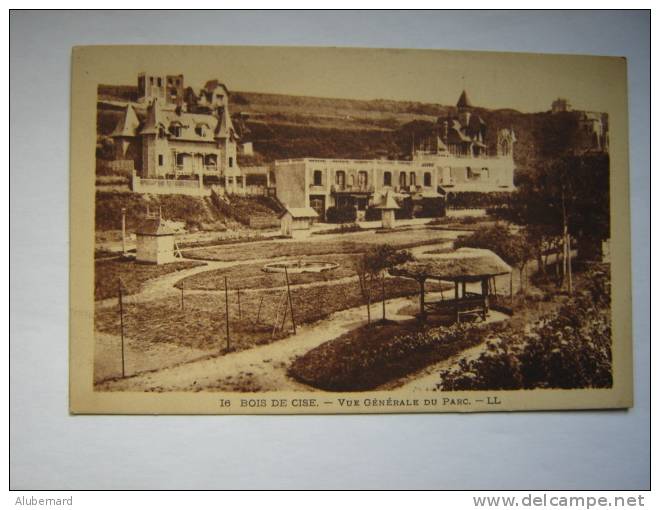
pixel 512 248
pixel 406 210
pixel 571 349
pixel 432 208
pixel 372 214
pixel 341 214
pixel 476 199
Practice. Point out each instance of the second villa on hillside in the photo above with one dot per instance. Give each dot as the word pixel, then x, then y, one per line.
pixel 454 158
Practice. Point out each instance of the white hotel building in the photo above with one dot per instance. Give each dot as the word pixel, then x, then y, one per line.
pixel 453 159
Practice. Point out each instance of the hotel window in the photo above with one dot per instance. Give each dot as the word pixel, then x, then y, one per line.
pixel 340 178
pixel 160 82
pixel 318 178
pixel 427 179
pixel 387 179
pixel 413 179
pixel 485 173
pixel 160 160
pixel 402 179
pixel 362 179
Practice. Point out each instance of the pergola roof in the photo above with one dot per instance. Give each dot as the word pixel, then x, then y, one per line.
pixel 464 264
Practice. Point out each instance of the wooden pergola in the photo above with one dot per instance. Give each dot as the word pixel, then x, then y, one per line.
pixel 465 265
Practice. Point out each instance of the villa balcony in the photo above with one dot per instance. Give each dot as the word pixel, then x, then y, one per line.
pixel 206 169
pixel 351 190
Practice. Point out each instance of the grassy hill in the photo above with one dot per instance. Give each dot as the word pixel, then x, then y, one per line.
pixel 283 126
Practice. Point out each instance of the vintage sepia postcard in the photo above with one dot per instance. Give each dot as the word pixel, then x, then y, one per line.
pixel 270 230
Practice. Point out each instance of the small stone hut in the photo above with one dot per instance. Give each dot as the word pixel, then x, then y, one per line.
pixel 155 242
pixel 296 221
pixel 387 208
pixel 461 267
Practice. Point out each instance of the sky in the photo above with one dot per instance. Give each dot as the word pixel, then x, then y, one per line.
pixel 525 82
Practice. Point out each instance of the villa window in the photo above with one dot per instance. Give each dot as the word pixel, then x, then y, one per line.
pixel 179 159
pixel 427 179
pixel 402 179
pixel 175 129
pixel 340 178
pixel 231 162
pixel 210 160
pixel 387 179
pixel 200 131
pixel 318 178
pixel 160 160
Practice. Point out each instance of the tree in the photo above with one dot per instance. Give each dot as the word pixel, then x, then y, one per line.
pixel 567 197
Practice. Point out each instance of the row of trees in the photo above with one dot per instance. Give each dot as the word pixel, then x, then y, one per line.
pixel 564 199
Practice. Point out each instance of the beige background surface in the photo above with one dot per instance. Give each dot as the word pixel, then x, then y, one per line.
pixel 517 79
pixel 587 449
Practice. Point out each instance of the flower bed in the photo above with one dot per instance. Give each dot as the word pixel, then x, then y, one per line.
pixel 201 323
pixel 370 356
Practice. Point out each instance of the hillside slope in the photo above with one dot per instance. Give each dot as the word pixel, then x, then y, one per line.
pixel 283 126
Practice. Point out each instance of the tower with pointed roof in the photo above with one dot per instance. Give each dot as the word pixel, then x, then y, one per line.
pixel 464 107
pixel 162 137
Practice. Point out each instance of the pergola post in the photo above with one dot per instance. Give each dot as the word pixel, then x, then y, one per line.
pixel 484 293
pixel 458 316
pixel 422 312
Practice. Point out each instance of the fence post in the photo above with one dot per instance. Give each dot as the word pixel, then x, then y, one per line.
pixel 121 322
pixel 288 291
pixel 238 294
pixel 181 294
pixel 256 323
pixel 123 230
pixel 383 294
pixel 227 311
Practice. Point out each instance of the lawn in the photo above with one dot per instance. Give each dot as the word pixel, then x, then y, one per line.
pixel 345 243
pixel 252 276
pixel 108 273
pixel 201 324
